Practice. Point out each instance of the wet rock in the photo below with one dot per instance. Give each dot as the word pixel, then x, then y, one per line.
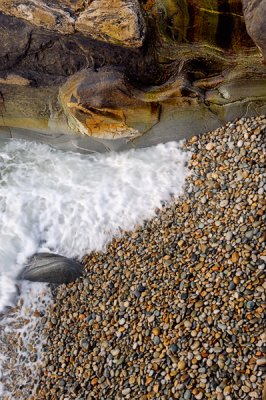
pixel 52 268
pixel 174 83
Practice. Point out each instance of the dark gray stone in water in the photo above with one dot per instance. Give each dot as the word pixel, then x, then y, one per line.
pixel 52 268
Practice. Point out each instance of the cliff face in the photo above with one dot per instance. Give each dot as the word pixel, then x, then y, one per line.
pixel 115 74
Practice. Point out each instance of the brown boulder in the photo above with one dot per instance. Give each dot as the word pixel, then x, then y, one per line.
pixel 255 19
pixel 114 21
pixel 118 21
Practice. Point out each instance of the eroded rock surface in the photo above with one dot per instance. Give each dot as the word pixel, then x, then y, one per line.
pixel 105 104
pixel 40 13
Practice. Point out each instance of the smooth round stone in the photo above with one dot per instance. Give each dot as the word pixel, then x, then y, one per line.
pixel 187 324
pixel 156 340
pixel 228 236
pixel 141 288
pixel 51 268
pixel 181 365
pixel 245 389
pixel 231 286
pixel 187 394
pixel 251 305
pixel 227 390
pixel 84 344
pixel 210 146
pixel 173 348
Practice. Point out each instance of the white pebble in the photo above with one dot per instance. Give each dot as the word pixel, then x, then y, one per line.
pixel 210 146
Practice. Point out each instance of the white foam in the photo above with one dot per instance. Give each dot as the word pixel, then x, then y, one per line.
pixel 71 204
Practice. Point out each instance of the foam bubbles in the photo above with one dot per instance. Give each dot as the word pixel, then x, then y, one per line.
pixel 71 204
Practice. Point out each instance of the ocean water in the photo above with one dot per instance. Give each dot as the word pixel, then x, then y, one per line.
pixel 71 204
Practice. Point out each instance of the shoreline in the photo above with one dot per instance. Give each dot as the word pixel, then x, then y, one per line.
pixel 175 308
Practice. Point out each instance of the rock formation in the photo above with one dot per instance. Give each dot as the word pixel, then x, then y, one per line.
pixel 255 18
pixel 99 74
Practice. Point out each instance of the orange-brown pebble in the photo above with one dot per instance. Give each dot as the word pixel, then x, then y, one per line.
pixel 235 257
pixel 156 331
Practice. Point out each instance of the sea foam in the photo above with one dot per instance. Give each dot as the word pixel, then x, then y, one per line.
pixel 71 204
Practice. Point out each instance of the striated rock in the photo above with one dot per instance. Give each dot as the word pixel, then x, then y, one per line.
pixel 15 39
pixel 75 5
pixel 117 21
pixel 52 268
pixel 105 104
pixel 255 19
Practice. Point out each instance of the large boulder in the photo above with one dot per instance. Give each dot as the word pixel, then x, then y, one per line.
pixel 116 21
pixel 255 18
pixel 52 268
pixel 113 21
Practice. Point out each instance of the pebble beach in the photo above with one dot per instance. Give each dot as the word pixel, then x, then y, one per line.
pixel 175 309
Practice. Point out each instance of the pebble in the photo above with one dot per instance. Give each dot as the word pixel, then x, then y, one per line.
pixel 235 257
pixel 227 390
pixel 228 236
pixel 210 146
pixel 156 331
pixel 231 286
pixel 187 394
pixel 173 348
pixel 181 365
